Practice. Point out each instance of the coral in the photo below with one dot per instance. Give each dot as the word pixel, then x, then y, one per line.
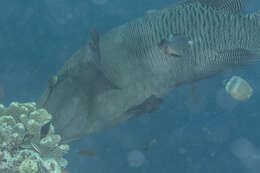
pixel 28 143
pixel 28 166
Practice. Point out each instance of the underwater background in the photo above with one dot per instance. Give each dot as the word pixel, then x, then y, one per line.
pixel 194 131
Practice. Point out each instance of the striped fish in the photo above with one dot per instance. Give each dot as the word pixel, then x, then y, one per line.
pixel 129 70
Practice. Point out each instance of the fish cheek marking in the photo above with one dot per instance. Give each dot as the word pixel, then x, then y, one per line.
pixel 163 45
pixel 176 45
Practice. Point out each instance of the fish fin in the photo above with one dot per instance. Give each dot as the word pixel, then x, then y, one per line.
pixel 95 50
pixel 45 130
pixel 239 57
pixel 94 47
pixel 104 82
pixel 231 6
pixel 175 45
pixel 231 59
pixel 149 105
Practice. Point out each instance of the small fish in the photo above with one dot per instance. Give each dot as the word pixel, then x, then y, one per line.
pixel 31 146
pixel 238 88
pixel 175 45
pixel 36 148
pixel 90 153
pixel 64 171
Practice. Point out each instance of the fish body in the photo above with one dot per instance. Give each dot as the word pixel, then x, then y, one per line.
pixel 128 73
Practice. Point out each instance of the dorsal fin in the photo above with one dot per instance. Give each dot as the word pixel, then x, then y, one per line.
pixel 231 6
pixel 94 47
pixel 96 55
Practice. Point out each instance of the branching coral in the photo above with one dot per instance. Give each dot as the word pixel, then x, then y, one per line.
pixel 28 143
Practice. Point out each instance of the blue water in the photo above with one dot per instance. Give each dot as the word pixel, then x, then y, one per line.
pixel 37 37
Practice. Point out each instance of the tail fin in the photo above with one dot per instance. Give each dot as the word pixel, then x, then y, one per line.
pixel 233 59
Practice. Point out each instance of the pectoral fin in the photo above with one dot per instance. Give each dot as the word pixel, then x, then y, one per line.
pixel 149 105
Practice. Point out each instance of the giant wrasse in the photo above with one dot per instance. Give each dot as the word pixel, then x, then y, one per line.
pixel 129 70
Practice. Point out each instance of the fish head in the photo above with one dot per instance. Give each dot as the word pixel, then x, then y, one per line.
pixel 84 101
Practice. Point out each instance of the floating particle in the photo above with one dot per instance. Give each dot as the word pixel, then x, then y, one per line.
pixel 238 88
pixel 136 158
pixel 247 153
